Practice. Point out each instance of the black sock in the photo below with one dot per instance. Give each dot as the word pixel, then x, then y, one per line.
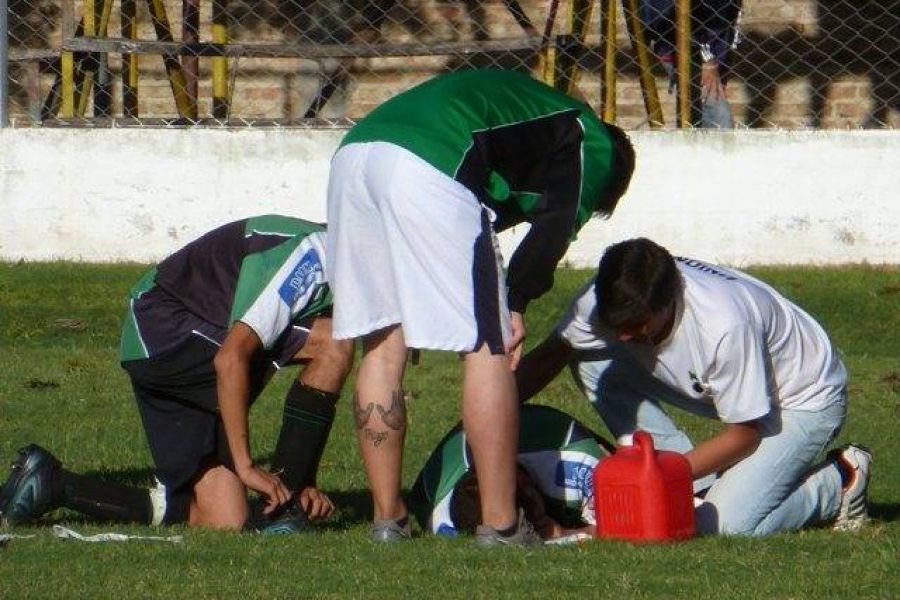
pixel 101 500
pixel 308 415
pixel 844 471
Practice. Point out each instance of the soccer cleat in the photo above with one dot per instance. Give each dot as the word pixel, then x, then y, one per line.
pixel 286 520
pixel 856 462
pixel 390 530
pixel 28 491
pixel 524 535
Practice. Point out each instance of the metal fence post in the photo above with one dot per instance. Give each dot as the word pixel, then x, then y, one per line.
pixel 683 56
pixel 4 65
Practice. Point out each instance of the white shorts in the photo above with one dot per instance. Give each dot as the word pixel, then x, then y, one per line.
pixel 409 245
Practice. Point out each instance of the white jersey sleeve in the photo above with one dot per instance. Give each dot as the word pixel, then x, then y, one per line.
pixel 575 327
pixel 739 378
pixel 296 284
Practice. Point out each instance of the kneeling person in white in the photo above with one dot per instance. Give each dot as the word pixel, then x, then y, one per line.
pixel 722 344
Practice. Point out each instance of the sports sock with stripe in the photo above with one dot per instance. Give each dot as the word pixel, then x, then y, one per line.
pixel 308 415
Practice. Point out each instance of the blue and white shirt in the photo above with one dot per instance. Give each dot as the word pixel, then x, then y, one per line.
pixel 558 452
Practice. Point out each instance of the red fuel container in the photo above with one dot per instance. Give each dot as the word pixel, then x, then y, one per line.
pixel 642 494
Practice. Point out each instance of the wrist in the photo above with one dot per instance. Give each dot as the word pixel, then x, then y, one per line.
pixel 243 465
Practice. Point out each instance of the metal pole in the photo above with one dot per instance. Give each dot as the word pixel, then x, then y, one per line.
pixel 683 56
pixel 4 65
pixel 67 61
pixel 220 63
pixel 644 60
pixel 608 78
pixel 190 34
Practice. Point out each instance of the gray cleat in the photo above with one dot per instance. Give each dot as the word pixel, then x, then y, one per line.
pixel 390 530
pixel 524 535
pixel 856 461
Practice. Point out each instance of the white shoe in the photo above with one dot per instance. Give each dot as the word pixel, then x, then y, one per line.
pixel 855 461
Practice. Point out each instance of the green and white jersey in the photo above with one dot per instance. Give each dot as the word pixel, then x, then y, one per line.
pixel 558 452
pixel 267 272
pixel 524 149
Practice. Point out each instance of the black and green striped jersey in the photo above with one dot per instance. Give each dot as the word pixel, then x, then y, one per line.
pixel 558 452
pixel 527 151
pixel 267 272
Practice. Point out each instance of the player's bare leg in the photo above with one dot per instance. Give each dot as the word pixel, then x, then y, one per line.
pixel 220 500
pixel 329 360
pixel 491 420
pixel 379 410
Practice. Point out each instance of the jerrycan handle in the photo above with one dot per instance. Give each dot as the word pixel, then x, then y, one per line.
pixel 644 442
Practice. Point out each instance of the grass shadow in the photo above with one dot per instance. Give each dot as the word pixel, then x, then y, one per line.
pixel 352 507
pixel 887 512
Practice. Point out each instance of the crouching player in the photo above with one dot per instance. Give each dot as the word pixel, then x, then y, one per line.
pixel 650 328
pixel 204 331
pixel 554 483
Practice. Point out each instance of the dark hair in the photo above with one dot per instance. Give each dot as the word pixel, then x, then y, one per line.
pixel 636 278
pixel 622 169
pixel 465 505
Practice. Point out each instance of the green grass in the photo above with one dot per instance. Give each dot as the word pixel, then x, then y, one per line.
pixel 61 386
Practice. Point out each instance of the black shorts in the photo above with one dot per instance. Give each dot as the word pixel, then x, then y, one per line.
pixel 177 399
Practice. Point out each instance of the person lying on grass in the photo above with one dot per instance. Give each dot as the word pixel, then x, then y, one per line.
pixel 554 484
pixel 204 331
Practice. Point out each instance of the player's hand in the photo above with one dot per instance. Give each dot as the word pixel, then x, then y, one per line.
pixel 267 484
pixel 516 340
pixel 711 87
pixel 315 503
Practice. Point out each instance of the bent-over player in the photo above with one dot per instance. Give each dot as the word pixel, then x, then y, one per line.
pixel 204 331
pixel 418 189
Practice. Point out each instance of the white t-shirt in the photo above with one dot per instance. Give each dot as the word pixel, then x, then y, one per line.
pixel 737 345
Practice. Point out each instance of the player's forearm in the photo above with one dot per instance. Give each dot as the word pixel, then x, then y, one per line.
pixel 233 395
pixel 532 265
pixel 541 365
pixel 734 443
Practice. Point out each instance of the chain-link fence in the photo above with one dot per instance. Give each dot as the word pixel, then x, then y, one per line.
pixel 776 63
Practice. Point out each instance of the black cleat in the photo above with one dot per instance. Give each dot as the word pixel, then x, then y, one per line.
pixel 287 519
pixel 28 491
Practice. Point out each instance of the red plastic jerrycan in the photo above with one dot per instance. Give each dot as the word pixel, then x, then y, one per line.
pixel 642 494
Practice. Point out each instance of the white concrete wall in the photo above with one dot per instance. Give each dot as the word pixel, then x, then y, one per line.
pixel 746 197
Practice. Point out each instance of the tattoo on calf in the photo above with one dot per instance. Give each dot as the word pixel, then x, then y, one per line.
pixel 361 415
pixel 395 416
pixel 376 437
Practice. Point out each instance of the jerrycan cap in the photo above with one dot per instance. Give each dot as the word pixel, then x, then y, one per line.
pixel 640 443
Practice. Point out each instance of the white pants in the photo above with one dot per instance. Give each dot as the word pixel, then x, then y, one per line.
pixel 409 245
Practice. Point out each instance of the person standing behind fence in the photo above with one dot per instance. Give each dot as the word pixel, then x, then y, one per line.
pixel 417 191
pixel 714 27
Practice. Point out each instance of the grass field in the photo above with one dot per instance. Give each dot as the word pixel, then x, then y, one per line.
pixel 61 386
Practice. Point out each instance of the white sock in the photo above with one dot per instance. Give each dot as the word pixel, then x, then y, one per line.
pixel 158 501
